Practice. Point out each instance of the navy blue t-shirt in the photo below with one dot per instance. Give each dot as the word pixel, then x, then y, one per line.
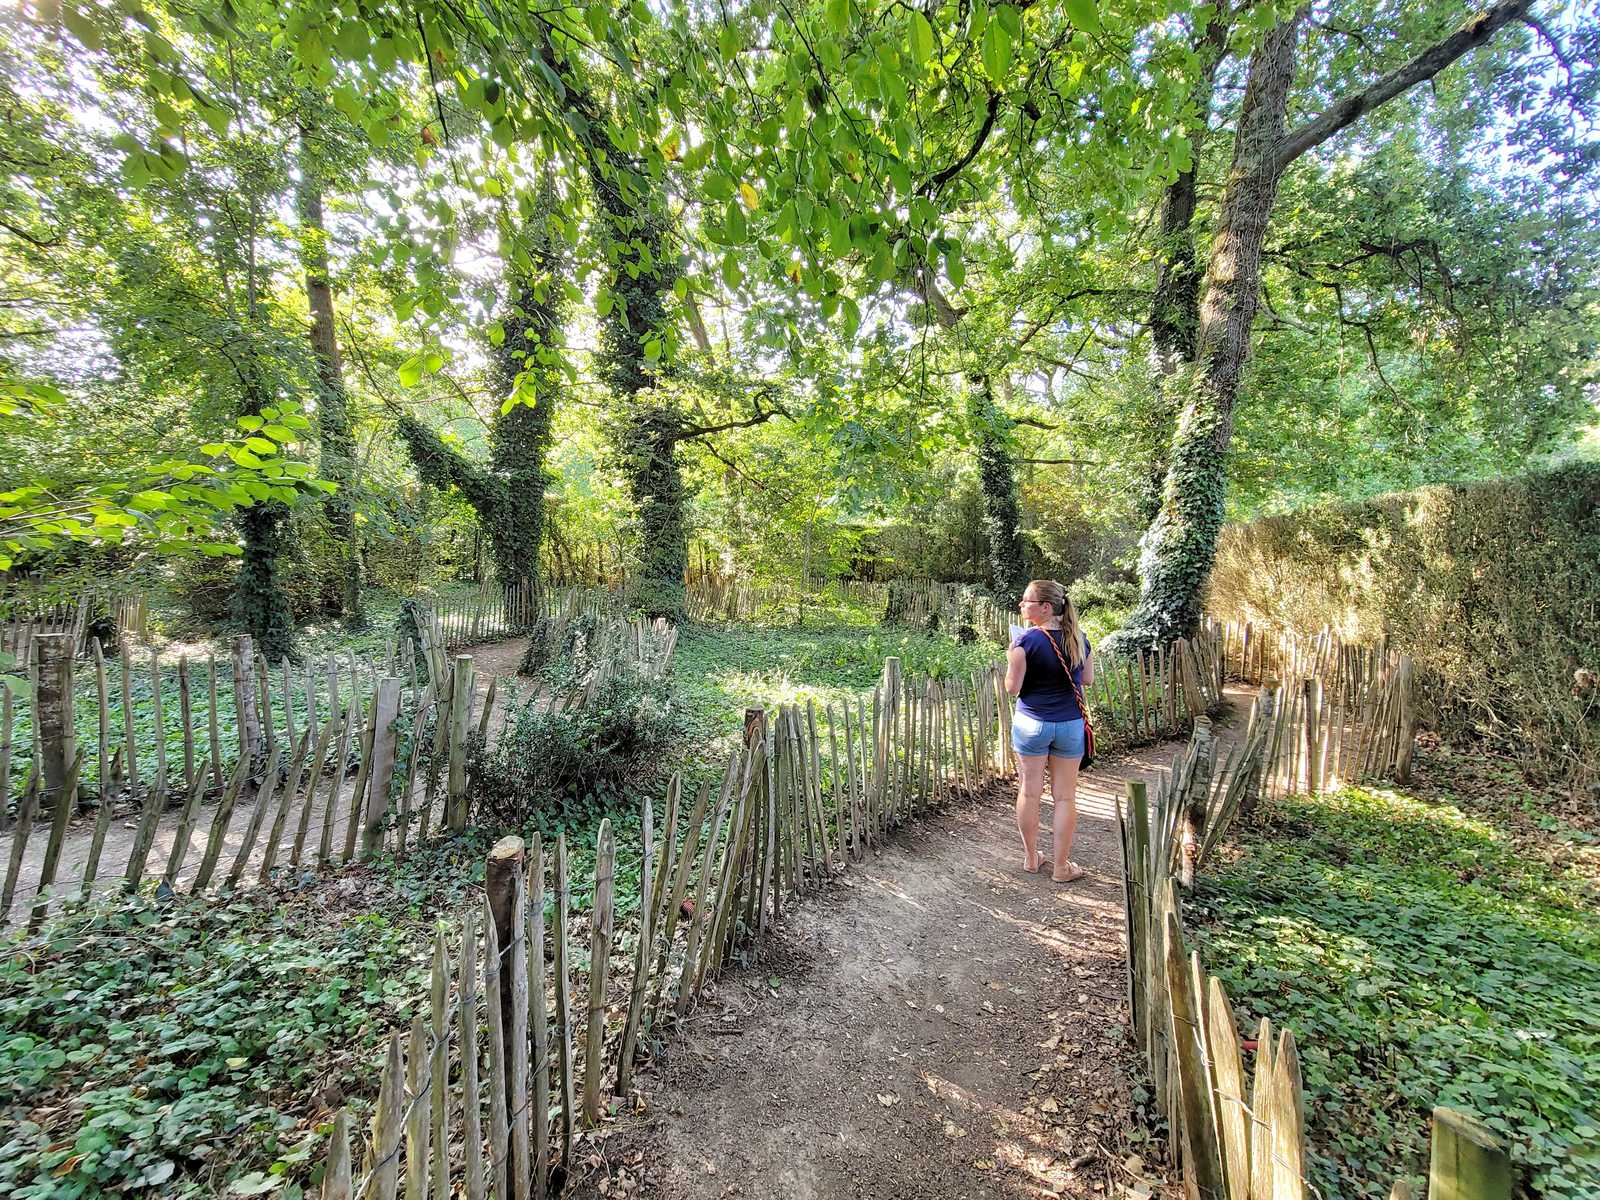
pixel 1046 695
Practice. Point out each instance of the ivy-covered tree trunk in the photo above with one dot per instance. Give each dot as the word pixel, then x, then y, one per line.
pixel 1175 307
pixel 260 604
pixel 1002 504
pixel 508 494
pixel 1180 546
pixel 338 444
pixel 526 365
pixel 645 432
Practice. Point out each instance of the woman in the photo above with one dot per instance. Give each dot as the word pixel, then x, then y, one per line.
pixel 1042 665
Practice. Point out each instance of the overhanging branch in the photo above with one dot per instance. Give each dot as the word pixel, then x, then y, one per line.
pixel 1350 109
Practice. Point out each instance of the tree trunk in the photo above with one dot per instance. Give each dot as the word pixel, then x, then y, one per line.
pixel 333 409
pixel 1175 308
pixel 1180 546
pixel 646 436
pixel 508 494
pixel 1002 506
pixel 520 439
pixel 260 605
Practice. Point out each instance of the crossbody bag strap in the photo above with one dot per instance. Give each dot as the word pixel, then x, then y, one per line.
pixel 1077 692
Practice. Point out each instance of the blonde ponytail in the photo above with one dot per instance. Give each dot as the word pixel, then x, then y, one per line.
pixel 1053 594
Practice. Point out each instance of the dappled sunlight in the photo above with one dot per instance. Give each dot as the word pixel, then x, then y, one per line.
pixel 1022 1142
pixel 890 888
pixel 1096 798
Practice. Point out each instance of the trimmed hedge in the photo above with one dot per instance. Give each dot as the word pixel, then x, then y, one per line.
pixel 1492 588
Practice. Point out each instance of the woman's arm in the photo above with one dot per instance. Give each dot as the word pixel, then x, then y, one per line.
pixel 1016 667
pixel 1088 665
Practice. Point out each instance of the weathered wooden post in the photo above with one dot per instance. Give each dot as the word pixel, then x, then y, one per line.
pixel 1194 800
pixel 386 707
pixel 244 699
pixel 1405 686
pixel 460 718
pixel 599 969
pixel 500 871
pixel 1313 738
pixel 56 732
pixel 1468 1162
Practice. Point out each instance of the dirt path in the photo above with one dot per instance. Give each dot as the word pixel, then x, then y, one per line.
pixel 941 1024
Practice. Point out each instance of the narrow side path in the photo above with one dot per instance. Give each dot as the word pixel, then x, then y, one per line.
pixel 494 659
pixel 941 1025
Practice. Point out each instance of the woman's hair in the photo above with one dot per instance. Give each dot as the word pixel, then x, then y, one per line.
pixel 1061 604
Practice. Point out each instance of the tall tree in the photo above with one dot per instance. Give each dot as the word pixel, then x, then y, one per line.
pixel 508 494
pixel 1180 546
pixel 338 461
pixel 1175 306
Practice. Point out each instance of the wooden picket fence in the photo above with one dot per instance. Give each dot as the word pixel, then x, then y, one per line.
pixel 491 613
pixel 481 1095
pixel 22 619
pixel 406 746
pixel 1238 1135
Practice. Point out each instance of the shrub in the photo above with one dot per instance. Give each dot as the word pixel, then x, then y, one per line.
pixel 551 769
pixel 1490 587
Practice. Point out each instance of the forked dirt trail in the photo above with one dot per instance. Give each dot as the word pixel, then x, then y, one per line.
pixel 941 1024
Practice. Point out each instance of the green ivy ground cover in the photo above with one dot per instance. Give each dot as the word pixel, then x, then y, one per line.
pixel 195 1048
pixel 1423 952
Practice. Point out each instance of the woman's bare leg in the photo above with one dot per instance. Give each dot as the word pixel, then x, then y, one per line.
pixel 1064 822
pixel 1030 786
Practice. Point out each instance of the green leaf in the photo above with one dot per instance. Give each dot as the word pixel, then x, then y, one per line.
pixel 954 267
pixel 996 51
pixel 497 333
pixel 839 15
pixel 921 39
pixel 81 25
pixel 1084 15
pixel 257 1183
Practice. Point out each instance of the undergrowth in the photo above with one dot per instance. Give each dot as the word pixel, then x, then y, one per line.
pixel 1422 956
pixel 195 1048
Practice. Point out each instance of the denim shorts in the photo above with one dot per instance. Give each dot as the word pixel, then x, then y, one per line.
pixel 1034 738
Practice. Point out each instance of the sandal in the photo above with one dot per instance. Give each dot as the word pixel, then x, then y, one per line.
pixel 1039 862
pixel 1074 873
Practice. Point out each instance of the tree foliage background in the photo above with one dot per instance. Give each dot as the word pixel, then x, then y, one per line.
pixel 827 289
